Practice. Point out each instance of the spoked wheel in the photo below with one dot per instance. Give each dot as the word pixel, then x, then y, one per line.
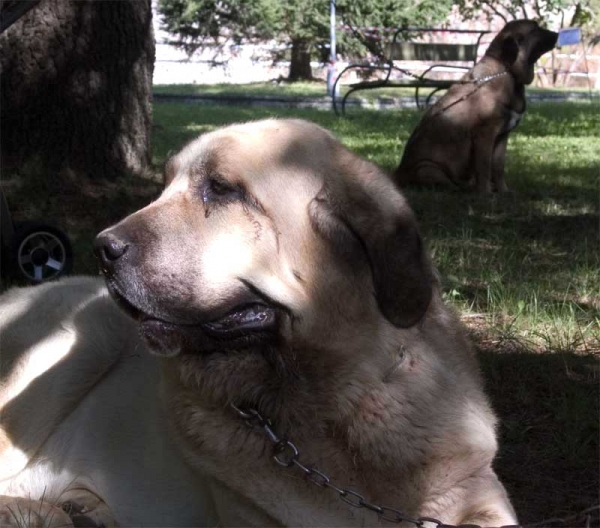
pixel 41 253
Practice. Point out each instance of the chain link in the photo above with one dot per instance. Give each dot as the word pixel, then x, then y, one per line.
pixel 478 83
pixel 286 454
pixel 476 80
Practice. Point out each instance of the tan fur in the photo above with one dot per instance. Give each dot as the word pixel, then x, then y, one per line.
pixel 461 139
pixel 365 370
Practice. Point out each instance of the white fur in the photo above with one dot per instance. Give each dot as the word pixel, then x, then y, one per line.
pixel 109 435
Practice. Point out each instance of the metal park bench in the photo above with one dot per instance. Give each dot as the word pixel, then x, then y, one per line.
pixel 406 46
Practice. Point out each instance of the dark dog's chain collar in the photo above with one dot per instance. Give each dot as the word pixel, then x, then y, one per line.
pixel 286 454
pixel 487 78
pixel 478 82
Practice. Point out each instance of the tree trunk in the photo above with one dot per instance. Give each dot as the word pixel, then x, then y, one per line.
pixel 300 65
pixel 76 87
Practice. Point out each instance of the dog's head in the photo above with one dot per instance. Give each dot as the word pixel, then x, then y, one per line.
pixel 269 239
pixel 519 45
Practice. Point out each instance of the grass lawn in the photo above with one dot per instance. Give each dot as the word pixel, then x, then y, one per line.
pixel 298 89
pixel 523 268
pixel 315 89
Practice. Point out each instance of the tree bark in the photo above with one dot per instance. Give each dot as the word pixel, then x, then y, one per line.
pixel 76 87
pixel 300 64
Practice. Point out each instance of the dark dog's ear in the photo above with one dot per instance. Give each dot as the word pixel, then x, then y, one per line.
pixel 510 50
pixel 506 49
pixel 372 216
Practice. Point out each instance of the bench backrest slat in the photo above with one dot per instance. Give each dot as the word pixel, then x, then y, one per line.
pixel 427 51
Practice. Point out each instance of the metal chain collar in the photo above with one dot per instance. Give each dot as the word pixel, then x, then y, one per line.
pixel 477 81
pixel 286 454
pixel 478 84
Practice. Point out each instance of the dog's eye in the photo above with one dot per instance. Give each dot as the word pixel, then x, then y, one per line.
pixel 215 189
pixel 219 188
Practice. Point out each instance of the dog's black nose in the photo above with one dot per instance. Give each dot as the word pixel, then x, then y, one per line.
pixel 109 248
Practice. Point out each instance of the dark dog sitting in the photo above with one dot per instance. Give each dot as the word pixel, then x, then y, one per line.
pixel 462 138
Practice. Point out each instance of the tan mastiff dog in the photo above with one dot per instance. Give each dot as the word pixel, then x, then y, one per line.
pixel 461 139
pixel 278 272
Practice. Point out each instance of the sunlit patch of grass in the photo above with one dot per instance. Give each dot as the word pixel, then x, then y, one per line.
pixel 296 89
pixel 310 89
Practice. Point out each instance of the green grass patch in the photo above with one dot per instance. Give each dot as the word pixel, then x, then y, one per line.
pixel 310 89
pixel 297 89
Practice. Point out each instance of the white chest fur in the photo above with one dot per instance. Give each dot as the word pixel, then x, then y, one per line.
pixel 513 119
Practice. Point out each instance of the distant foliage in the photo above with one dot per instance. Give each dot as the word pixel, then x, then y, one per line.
pixel 302 25
pixel 199 22
pixel 582 13
pixel 386 14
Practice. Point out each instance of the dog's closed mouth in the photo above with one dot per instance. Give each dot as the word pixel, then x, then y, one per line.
pixel 244 326
pixel 242 320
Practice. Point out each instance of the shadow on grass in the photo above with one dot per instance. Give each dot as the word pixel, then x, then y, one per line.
pixel 548 409
pixel 551 179
pixel 536 236
pixel 540 271
pixel 575 119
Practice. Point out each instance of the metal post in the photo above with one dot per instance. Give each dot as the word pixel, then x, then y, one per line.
pixel 332 54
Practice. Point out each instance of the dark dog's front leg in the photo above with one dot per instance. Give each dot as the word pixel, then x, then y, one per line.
pixel 498 163
pixel 483 152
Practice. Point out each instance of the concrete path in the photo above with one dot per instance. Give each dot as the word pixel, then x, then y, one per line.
pixel 324 103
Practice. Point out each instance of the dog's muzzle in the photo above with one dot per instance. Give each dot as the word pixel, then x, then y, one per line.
pixel 250 319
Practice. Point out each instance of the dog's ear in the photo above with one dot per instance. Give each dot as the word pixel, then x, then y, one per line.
pixel 373 217
pixel 510 50
pixel 506 49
